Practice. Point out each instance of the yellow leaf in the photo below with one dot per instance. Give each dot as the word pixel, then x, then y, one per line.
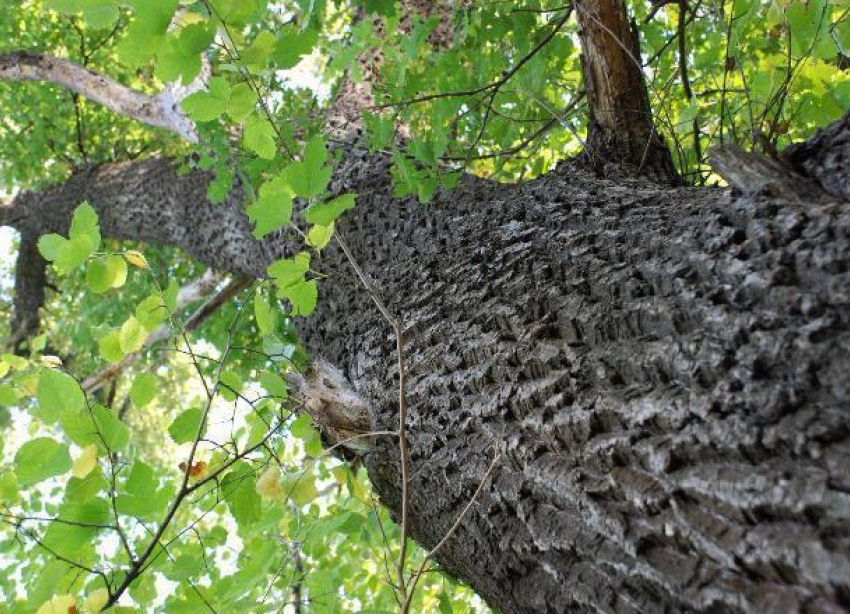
pixel 96 600
pixel 60 604
pixel 85 462
pixel 136 259
pixel 268 486
pixel 348 478
pixel 198 470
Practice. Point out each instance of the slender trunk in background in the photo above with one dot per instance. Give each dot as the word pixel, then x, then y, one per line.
pixel 621 128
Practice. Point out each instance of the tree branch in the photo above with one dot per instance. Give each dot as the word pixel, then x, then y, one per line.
pixel 160 111
pixel 30 281
pixel 825 157
pixel 189 293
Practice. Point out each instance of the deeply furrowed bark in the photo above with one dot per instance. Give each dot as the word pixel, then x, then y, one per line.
pixel 664 371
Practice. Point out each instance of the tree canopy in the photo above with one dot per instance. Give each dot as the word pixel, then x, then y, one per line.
pixel 155 455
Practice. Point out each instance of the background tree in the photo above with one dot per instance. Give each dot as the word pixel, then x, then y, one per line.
pixel 461 261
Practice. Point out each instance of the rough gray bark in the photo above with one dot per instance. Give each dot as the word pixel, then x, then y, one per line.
pixel 30 283
pixel 664 370
pixel 826 157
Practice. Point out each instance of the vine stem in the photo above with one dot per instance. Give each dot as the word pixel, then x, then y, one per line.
pixel 402 406
pixel 433 552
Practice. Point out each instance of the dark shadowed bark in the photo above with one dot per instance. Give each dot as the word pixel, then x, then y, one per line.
pixel 826 157
pixel 30 284
pixel 664 371
pixel 620 127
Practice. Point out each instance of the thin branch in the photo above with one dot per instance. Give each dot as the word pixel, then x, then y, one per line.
pixel 188 294
pixel 138 566
pixel 495 85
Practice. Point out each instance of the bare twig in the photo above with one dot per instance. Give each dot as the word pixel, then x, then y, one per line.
pixel 402 401
pixel 458 521
pixel 491 88
pixel 188 294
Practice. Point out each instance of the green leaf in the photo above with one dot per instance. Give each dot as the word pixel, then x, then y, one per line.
pixel 9 491
pixel 109 346
pixel 74 253
pixel 292 44
pixel 69 539
pixel 83 489
pixel 310 177
pixel 184 567
pixel 302 296
pixel 185 426
pixel 259 137
pixel 220 186
pixel 96 426
pixel 196 37
pixel 238 488
pixel 58 393
pixel 84 239
pixel 99 14
pixel 242 101
pixel 263 314
pixel 174 64
pixel 273 209
pixel 152 312
pixel 106 273
pixel 155 15
pixel 325 213
pixel 50 246
pixel 208 106
pixel 288 271
pixel 381 7
pixel 141 496
pixel 300 487
pixel 143 589
pixel 84 222
pixel 318 237
pixel 259 51
pixel 231 384
pixel 269 213
pixel 132 336
pixel 40 459
pixel 111 434
pixel 273 384
pixel 445 604
pixel 143 389
pixel 9 396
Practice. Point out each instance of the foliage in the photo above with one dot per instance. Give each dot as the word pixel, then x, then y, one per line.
pixel 188 479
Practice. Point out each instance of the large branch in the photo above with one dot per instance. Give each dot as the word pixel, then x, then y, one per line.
pixel 30 283
pixel 665 372
pixel 825 157
pixel 160 111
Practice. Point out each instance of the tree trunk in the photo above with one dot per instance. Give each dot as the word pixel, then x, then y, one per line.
pixel 620 129
pixel 663 371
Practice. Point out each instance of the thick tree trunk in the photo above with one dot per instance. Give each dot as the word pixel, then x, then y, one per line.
pixel 664 372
